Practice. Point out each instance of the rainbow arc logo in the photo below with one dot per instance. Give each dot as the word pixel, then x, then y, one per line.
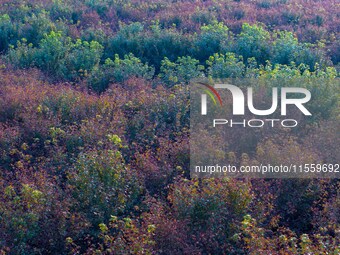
pixel 211 92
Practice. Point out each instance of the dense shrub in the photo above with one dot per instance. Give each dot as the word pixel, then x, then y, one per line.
pixel 181 71
pixel 164 43
pixel 60 10
pixel 94 34
pixel 58 56
pixel 285 47
pixel 315 25
pixel 31 217
pixel 225 66
pixel 253 41
pixel 211 207
pixel 127 40
pixel 150 46
pixel 24 55
pixel 213 38
pixel 102 184
pixel 109 172
pixel 82 58
pixel 7 32
pixel 51 54
pixel 35 26
pixel 309 55
pixel 335 52
pixel 255 239
pixel 119 70
pixel 69 133
pixel 324 102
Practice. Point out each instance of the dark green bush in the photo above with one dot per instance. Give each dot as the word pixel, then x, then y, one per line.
pixel 82 58
pixel 309 55
pixel 253 41
pixel 8 32
pixel 63 10
pixel 119 70
pixel 58 56
pixel 214 38
pixel 51 54
pixel 284 47
pixel 35 26
pixel 24 55
pixel 150 45
pixel 164 43
pixel 127 40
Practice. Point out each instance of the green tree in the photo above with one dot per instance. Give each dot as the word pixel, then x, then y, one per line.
pixel 181 71
pixel 119 70
pixel 213 38
pixel 102 184
pixel 253 41
pixel 225 65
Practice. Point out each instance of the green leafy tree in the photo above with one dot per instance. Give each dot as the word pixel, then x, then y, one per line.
pixel 101 182
pixel 150 45
pixel 284 47
pixel 181 71
pixel 23 56
pixel 213 38
pixel 119 70
pixel 51 54
pixel 7 32
pixel 253 41
pixel 35 26
pixel 82 58
pixel 225 65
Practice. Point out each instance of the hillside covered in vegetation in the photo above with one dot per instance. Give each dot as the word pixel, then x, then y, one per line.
pixel 95 127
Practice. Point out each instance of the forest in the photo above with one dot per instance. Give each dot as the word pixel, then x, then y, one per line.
pixel 95 127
